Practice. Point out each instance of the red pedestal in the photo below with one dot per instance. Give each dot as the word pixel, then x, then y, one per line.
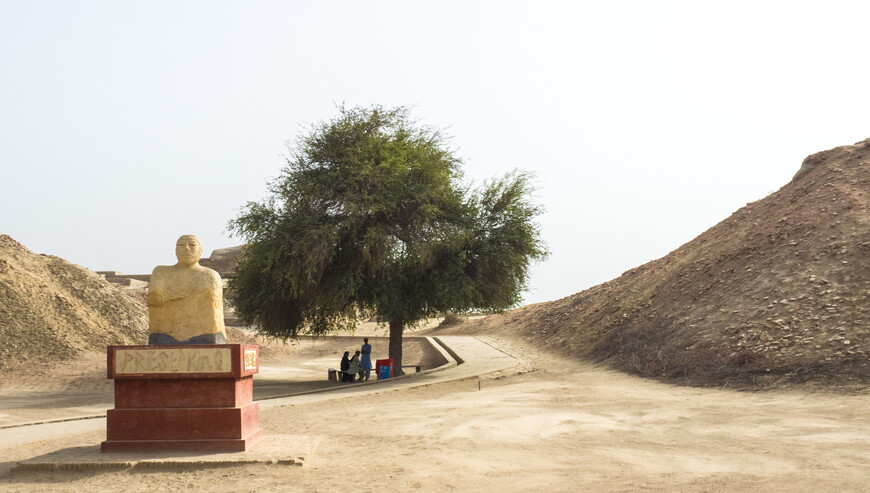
pixel 184 397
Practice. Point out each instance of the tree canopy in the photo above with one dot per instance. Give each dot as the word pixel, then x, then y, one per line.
pixel 370 217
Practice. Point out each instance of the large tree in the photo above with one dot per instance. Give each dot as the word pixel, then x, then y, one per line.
pixel 370 217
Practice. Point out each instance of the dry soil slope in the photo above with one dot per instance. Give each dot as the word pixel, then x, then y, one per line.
pixel 51 310
pixel 777 294
pixel 223 260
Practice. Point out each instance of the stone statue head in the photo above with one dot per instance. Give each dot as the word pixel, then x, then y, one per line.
pixel 188 250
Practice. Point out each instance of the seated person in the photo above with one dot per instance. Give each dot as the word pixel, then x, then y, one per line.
pixel 353 367
pixel 345 368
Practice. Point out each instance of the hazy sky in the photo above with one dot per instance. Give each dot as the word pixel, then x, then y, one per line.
pixel 126 124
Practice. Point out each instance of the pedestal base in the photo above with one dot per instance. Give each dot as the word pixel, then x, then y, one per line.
pixel 183 398
pixel 226 445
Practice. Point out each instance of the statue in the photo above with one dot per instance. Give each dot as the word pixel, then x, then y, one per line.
pixel 185 300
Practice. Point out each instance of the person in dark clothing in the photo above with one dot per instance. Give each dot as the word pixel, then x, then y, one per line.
pixel 345 366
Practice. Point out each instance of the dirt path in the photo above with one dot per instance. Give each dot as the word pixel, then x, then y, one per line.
pixel 548 425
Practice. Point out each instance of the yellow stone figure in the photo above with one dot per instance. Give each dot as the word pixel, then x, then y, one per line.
pixel 185 300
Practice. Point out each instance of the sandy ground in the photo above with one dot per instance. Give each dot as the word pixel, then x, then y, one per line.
pixel 80 387
pixel 548 425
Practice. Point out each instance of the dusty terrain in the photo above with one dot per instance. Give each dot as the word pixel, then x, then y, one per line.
pixel 78 386
pixel 775 296
pixel 52 310
pixel 549 425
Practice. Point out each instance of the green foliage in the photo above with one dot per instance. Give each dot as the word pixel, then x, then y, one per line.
pixel 369 217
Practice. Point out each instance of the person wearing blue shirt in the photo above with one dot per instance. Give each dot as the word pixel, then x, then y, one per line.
pixel 366 361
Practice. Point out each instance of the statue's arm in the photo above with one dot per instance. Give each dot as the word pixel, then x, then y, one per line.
pixel 217 284
pixel 155 298
pixel 155 289
pixel 218 295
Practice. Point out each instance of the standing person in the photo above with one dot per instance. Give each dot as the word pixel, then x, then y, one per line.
pixel 366 361
pixel 353 367
pixel 345 366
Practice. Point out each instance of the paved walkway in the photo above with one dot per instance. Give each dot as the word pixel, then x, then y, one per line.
pixel 467 357
pixel 475 358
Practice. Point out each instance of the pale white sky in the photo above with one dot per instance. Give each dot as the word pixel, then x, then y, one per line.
pixel 126 124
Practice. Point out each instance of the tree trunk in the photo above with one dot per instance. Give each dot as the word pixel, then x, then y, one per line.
pixel 396 346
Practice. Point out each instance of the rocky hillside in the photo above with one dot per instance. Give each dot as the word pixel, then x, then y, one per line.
pixel 775 295
pixel 50 309
pixel 223 260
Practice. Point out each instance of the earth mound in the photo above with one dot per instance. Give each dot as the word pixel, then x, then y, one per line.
pixel 223 260
pixel 52 310
pixel 777 294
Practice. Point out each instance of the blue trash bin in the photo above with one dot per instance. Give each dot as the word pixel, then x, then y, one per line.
pixel 384 368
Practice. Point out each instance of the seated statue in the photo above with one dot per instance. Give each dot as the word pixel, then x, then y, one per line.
pixel 185 300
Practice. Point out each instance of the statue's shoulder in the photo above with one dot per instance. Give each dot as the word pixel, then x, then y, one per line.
pixel 211 273
pixel 161 270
